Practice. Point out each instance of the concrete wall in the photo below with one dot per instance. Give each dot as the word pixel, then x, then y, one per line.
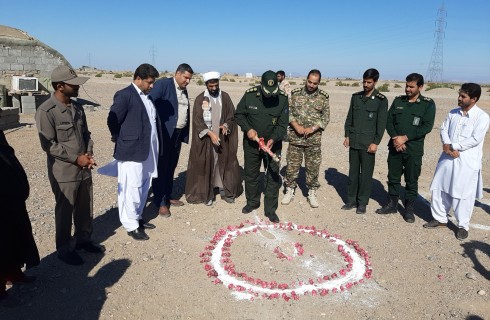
pixel 29 58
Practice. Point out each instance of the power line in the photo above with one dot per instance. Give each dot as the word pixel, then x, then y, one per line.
pixel 435 70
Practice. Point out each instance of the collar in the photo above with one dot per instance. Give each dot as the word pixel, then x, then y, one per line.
pixel 60 105
pixel 141 93
pixel 177 85
pixel 471 113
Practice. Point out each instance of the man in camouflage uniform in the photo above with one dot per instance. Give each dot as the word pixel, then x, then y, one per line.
pixel 364 128
pixel 410 119
pixel 308 117
pixel 262 113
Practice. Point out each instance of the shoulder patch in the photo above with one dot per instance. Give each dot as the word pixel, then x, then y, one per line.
pixel 379 95
pixel 283 93
pixel 323 93
pixel 295 91
pixel 254 89
pixel 427 99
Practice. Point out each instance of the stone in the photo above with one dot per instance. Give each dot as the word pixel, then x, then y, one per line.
pixel 482 292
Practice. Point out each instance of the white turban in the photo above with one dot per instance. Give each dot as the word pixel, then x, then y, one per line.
pixel 211 75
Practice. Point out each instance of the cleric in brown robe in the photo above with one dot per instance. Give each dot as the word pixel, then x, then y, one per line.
pixel 213 165
pixel 17 246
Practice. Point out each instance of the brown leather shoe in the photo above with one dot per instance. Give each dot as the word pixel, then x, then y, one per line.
pixel 164 211
pixel 176 203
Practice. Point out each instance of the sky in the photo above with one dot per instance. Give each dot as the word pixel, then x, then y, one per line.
pixel 340 38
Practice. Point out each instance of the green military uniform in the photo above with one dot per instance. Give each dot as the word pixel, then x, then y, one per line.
pixel 415 120
pixel 269 117
pixel 364 125
pixel 308 110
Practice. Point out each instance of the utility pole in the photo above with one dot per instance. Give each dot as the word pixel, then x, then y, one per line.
pixel 435 69
pixel 153 53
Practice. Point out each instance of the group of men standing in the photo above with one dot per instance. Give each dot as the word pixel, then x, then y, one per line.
pixel 150 119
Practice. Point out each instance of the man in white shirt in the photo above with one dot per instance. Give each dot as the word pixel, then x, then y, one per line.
pixel 133 122
pixel 458 179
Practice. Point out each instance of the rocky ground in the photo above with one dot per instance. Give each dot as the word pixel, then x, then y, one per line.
pixel 417 273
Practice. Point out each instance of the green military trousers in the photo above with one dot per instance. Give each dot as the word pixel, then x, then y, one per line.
pixel 253 160
pixel 361 167
pixel 410 166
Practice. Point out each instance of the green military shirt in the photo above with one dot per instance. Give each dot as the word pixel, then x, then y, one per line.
pixel 64 135
pixel 308 110
pixel 366 119
pixel 267 116
pixel 413 119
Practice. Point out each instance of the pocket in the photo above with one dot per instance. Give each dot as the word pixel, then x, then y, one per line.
pixel 371 113
pixel 64 131
pixel 129 137
pixel 417 118
pixel 467 131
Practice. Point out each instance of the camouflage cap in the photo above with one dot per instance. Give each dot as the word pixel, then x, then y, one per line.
pixel 269 83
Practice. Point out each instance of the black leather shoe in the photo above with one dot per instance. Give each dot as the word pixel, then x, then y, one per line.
pixel 273 217
pixel 348 206
pixel 248 209
pixel 409 217
pixel 461 234
pixel 361 209
pixel 91 247
pixel 71 258
pixel 146 225
pixel 138 234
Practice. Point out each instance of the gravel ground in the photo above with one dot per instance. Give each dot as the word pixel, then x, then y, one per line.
pixel 417 273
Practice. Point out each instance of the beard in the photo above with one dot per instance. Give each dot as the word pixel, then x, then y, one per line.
pixel 214 93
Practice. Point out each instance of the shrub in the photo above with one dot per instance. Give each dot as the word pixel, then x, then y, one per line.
pixel 128 74
pixel 251 84
pixel 293 83
pixel 200 82
pixel 433 85
pixel 236 74
pixel 232 80
pixel 355 84
pixel 224 79
pixel 397 85
pixel 341 84
pixel 98 75
pixel 323 83
pixel 384 88
pixel 118 75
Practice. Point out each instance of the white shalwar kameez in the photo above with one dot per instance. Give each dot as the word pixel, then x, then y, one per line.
pixel 458 181
pixel 134 178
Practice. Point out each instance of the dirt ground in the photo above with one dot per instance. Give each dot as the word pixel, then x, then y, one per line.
pixel 417 273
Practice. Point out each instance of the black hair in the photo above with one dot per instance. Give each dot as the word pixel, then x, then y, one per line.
pixel 471 89
pixel 371 74
pixel 145 71
pixel 415 77
pixel 315 71
pixel 281 72
pixel 184 67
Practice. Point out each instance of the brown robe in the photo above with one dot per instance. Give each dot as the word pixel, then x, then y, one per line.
pixel 199 182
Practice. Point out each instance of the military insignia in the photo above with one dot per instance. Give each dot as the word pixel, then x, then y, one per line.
pixel 270 83
pixel 399 108
pixel 371 115
pixel 372 97
pixel 418 100
pixel 295 91
pixel 416 121
pixel 427 99
pixel 73 73
pixel 379 95
pixel 324 93
pixel 274 121
pixel 252 107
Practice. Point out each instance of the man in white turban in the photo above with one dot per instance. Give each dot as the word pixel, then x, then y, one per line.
pixel 213 166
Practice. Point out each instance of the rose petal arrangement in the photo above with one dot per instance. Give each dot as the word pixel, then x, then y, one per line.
pixel 217 262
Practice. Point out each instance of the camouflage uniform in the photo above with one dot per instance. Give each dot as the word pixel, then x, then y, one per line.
pixel 307 110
